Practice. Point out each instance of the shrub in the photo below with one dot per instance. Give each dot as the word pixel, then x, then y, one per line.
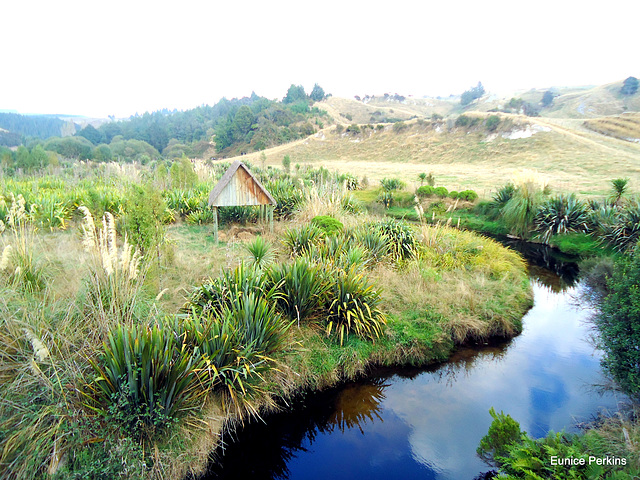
pixel 441 192
pixel 350 181
pixel 220 293
pixel 503 195
pixel 352 307
pixel 300 240
pixel 201 217
pixel 561 214
pixel 329 225
pixel 386 199
pixel 142 381
pixel 260 251
pixel 462 121
pixel 503 432
pixel 399 127
pixel 492 122
pixel 301 287
pixel 374 241
pixel 424 191
pixel 351 204
pixel 391 184
pixel 288 196
pixel 402 241
pixel 619 324
pixel 453 194
pixel 468 195
pixel 143 219
pixel 624 233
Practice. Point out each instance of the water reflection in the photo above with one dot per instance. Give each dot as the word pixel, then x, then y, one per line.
pixel 426 423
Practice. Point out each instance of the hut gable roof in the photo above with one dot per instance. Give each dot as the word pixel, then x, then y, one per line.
pixel 238 186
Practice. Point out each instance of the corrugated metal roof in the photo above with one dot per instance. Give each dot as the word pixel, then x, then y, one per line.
pixel 239 187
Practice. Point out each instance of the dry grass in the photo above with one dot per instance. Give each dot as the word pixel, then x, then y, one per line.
pixel 624 127
pixel 573 158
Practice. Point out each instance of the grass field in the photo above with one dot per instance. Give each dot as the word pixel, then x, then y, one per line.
pixel 624 127
pixel 572 158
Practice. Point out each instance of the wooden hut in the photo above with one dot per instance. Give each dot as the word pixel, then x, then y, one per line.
pixel 238 187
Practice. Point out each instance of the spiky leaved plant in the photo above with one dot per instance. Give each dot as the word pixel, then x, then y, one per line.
pixel 215 294
pixel 353 307
pixel 300 240
pixel 401 239
pixel 260 252
pixel 302 287
pixel 561 214
pixel 142 381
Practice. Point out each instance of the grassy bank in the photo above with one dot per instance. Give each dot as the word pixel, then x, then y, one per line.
pixel 434 288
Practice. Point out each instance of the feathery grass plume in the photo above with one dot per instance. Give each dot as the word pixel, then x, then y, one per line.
pixel 29 274
pixel 115 281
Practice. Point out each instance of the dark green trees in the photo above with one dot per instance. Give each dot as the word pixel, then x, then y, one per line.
pixel 470 95
pixel 629 86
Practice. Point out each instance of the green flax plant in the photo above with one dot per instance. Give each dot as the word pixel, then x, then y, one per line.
pixel 353 307
pixel 302 286
pixel 143 382
pixel 561 214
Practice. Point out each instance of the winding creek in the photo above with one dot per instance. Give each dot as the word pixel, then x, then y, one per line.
pixel 426 423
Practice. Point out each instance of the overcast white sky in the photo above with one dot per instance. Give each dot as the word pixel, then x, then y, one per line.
pixel 101 58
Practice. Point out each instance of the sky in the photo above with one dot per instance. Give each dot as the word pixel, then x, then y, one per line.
pixel 120 58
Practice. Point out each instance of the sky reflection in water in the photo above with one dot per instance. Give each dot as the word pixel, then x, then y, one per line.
pixel 427 423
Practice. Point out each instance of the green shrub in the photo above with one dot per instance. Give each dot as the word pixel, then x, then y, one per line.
pixel 618 322
pixel 402 241
pixel 492 122
pixel 462 121
pixel 300 240
pixel 201 217
pixel 468 195
pixel 289 197
pixel 350 181
pixel 353 307
pixel 260 251
pixel 559 215
pixel 329 225
pixel 301 286
pixel 425 191
pixel 391 184
pixel 624 233
pixel 453 194
pixel 441 192
pixel 220 293
pixel 350 204
pixel 386 199
pixel 374 241
pixel 503 432
pixel 142 381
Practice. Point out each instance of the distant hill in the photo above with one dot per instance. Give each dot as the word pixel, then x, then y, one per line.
pixel 40 126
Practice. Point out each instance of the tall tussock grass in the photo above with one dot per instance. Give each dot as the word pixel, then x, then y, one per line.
pixel 113 289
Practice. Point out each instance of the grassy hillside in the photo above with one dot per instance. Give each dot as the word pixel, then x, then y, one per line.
pixel 599 101
pixel 625 127
pixel 572 157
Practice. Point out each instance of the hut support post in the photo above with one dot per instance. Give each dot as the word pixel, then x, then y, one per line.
pixel 215 224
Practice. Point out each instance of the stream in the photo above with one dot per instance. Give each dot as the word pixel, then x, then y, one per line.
pixel 426 423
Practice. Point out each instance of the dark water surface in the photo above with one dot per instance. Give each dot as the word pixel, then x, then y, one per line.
pixel 427 423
